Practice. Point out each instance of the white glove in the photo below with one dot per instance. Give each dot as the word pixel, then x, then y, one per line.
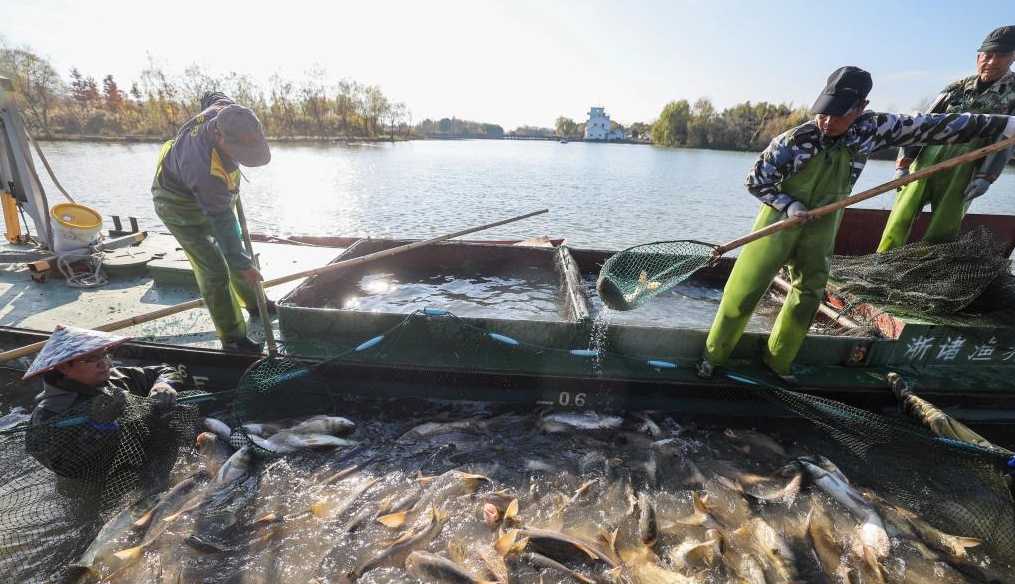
pixel 797 210
pixel 977 188
pixel 901 171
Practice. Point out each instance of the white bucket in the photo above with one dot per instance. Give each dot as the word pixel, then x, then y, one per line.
pixel 75 227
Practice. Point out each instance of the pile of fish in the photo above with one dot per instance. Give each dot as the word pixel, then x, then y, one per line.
pixel 484 496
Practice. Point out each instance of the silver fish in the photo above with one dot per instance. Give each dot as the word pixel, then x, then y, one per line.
pixel 827 477
pixel 438 570
pixel 262 430
pixel 287 441
pixel 777 560
pixel 648 530
pixel 153 521
pixel 570 421
pixel 15 417
pixel 406 541
pixel 218 427
pixel 333 425
pixel 237 467
pixel 108 540
pixel 541 561
pixel 553 543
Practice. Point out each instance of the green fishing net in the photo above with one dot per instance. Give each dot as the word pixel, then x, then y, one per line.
pixel 635 275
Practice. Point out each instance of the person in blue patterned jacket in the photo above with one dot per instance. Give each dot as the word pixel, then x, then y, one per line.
pixel 815 164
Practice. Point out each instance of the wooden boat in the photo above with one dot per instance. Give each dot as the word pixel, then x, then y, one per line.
pixel 571 358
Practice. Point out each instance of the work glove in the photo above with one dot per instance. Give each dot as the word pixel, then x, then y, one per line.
pixel 900 172
pixel 796 210
pixel 976 188
pixel 107 408
pixel 164 396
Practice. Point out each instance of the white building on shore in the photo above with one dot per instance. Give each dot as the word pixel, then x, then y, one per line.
pixel 598 126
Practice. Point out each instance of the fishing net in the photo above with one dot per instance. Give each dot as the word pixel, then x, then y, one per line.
pixel 631 277
pixel 957 487
pixel 926 279
pixel 65 477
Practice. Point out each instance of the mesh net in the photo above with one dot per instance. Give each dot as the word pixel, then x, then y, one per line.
pixel 63 479
pixel 924 279
pixel 957 487
pixel 631 277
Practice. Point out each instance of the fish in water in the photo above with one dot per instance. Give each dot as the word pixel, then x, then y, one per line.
pixel 543 562
pixel 431 568
pixel 827 477
pixel 168 505
pixel 332 425
pixel 563 547
pixel 777 560
pixel 693 555
pixel 237 467
pixel 218 427
pixel 407 541
pixel 430 429
pixel 15 417
pixel 570 421
pixel 648 531
pixel 288 441
pixel 111 535
pixel 262 430
pixel 213 451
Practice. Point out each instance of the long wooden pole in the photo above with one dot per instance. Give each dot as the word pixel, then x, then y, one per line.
pixel 868 194
pixel 177 308
pixel 262 300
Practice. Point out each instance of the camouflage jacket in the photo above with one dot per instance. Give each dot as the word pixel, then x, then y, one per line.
pixel 791 150
pixel 964 95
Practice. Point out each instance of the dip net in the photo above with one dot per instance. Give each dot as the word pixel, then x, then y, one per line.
pixel 63 479
pixel 635 275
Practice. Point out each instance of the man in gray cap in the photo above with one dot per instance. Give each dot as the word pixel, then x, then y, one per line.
pixel 990 91
pixel 195 191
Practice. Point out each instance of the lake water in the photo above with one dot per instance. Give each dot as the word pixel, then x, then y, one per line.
pixel 599 195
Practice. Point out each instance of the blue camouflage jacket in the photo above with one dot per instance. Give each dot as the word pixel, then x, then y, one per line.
pixel 791 150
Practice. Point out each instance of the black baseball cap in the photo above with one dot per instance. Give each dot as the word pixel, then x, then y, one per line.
pixel 846 86
pixel 1000 40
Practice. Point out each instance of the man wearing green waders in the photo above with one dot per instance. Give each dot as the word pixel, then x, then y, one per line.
pixel 812 165
pixel 990 91
pixel 196 186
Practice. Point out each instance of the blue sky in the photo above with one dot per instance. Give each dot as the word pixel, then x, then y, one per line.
pixel 526 62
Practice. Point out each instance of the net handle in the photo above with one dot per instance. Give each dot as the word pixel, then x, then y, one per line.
pixel 262 300
pixel 868 194
pixel 177 308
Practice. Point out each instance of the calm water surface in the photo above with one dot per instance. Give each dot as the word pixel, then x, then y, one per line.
pixel 599 195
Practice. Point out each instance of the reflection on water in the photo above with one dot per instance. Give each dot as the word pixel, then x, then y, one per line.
pixel 527 293
pixel 600 195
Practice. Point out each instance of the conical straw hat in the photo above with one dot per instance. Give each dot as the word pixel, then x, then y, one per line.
pixel 68 343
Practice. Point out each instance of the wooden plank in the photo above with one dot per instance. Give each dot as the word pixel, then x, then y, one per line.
pixel 574 293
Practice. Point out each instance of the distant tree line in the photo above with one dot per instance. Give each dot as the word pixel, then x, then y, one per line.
pixel 158 102
pixel 744 126
pixel 455 128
